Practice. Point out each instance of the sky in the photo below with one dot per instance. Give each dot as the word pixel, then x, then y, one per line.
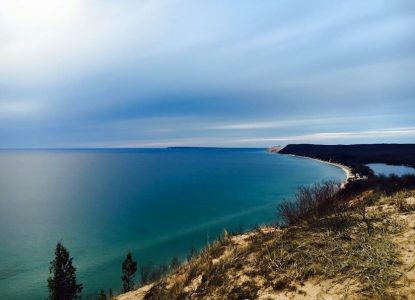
pixel 157 73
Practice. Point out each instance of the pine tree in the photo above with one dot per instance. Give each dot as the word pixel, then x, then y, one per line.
pixel 62 283
pixel 129 267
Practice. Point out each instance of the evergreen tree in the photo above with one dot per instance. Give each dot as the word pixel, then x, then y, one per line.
pixel 129 267
pixel 62 283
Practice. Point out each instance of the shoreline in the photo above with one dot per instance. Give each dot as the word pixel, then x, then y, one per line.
pixel 346 169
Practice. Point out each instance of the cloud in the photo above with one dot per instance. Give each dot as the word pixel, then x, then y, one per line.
pixel 259 69
pixel 328 136
pixel 10 109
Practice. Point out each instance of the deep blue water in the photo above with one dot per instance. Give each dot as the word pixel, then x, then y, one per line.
pixel 387 170
pixel 158 203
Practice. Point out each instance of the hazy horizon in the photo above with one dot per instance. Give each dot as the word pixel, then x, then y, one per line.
pixel 166 147
pixel 158 73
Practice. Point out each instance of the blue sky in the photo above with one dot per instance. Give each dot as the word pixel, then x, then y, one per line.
pixel 154 73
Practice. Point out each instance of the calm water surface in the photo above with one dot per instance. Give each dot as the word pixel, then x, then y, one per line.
pixel 157 203
pixel 390 169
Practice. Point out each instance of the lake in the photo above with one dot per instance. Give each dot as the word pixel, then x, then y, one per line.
pixel 157 203
pixel 387 170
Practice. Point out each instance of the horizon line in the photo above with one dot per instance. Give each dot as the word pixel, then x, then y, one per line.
pixel 185 147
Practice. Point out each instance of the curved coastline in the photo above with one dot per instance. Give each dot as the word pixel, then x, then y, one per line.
pixel 347 170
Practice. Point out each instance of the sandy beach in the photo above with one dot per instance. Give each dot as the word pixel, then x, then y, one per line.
pixel 346 169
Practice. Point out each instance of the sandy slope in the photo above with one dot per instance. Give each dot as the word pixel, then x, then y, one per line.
pixel 317 287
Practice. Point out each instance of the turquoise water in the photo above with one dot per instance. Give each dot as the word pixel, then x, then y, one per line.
pixel 157 203
pixel 390 169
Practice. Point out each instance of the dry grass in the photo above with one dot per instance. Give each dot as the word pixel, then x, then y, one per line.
pixel 404 201
pixel 353 249
pixel 299 254
pixel 200 267
pixel 285 258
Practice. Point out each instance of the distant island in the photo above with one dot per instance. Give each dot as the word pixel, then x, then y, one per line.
pixel 211 148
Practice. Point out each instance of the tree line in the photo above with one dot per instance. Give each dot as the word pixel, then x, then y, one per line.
pixel 357 156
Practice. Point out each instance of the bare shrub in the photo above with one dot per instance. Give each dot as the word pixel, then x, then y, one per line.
pixel 311 203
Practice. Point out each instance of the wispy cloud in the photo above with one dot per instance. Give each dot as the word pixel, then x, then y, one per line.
pixel 17 108
pixel 327 136
pixel 387 135
pixel 178 71
pixel 302 122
